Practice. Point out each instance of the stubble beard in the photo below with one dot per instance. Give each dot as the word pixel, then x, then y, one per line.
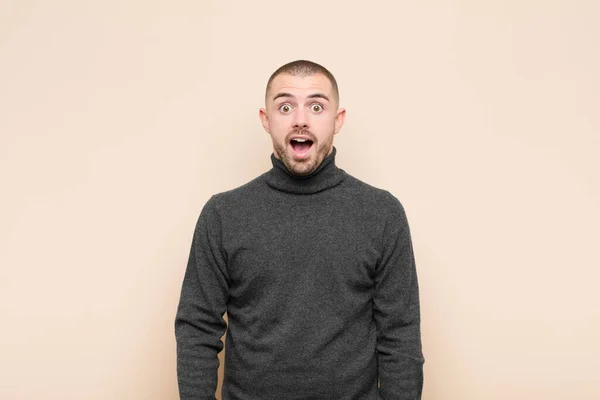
pixel 304 167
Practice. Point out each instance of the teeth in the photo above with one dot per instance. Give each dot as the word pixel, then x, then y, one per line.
pixel 300 140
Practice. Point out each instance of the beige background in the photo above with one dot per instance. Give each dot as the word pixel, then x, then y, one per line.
pixel 118 120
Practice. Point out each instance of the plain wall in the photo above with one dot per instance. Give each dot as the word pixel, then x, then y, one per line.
pixel 119 119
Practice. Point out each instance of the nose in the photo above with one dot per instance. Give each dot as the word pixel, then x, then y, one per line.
pixel 300 119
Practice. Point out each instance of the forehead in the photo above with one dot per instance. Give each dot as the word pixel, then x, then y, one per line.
pixel 300 85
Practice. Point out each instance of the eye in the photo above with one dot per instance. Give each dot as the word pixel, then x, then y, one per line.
pixel 285 108
pixel 316 107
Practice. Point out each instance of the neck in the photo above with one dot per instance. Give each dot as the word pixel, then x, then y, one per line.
pixel 326 176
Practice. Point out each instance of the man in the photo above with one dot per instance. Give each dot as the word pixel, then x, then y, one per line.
pixel 314 268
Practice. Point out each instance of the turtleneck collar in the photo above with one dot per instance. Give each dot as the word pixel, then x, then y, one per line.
pixel 326 176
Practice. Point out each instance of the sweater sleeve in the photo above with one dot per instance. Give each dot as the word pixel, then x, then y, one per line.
pixel 199 322
pixel 397 313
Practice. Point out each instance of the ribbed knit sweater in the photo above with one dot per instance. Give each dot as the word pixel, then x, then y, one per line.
pixel 318 279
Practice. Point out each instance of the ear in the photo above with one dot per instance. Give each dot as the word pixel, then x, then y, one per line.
pixel 264 119
pixel 339 120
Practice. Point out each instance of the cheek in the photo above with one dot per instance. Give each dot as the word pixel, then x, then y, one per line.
pixel 322 125
pixel 279 126
pixel 280 119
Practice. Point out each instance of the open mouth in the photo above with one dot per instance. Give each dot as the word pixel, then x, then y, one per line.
pixel 301 146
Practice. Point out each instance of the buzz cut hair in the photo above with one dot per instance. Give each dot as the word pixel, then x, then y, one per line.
pixel 304 68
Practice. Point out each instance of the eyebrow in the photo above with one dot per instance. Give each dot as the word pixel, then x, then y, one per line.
pixel 311 96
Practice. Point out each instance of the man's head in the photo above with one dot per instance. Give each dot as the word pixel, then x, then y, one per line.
pixel 302 114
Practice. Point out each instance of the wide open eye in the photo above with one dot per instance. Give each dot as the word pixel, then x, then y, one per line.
pixel 316 107
pixel 285 108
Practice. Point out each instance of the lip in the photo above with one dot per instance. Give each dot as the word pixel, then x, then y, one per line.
pixel 301 137
pixel 303 154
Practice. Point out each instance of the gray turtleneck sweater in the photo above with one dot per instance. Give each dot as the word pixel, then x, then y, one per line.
pixel 318 279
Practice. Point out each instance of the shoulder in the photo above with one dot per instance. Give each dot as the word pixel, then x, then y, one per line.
pixel 383 199
pixel 238 196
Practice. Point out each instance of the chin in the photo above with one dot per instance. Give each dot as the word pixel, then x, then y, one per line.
pixel 307 167
pixel 304 172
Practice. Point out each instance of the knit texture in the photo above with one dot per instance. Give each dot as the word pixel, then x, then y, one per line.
pixel 318 279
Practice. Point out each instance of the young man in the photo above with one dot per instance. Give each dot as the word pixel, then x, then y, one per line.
pixel 314 268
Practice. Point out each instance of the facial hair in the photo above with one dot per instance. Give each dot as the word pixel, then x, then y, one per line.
pixel 305 167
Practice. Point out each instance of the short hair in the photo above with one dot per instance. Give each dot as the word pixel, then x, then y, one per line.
pixel 304 68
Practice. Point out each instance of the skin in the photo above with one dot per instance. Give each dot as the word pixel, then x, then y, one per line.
pixel 307 106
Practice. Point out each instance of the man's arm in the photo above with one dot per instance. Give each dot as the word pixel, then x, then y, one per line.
pixel 199 323
pixel 397 314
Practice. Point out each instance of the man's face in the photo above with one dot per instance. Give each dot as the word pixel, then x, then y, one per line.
pixel 302 115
